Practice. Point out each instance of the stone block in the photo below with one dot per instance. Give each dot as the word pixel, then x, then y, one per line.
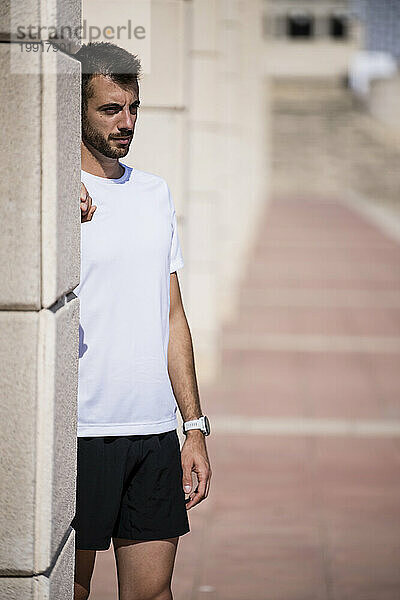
pixel 164 85
pixel 32 20
pixel 60 583
pixel 20 188
pixel 230 45
pixel 56 428
pixel 39 368
pixel 202 227
pixel 39 210
pixel 57 586
pixel 205 25
pixel 229 11
pixel 205 158
pixel 61 164
pixel 205 106
pixel 18 358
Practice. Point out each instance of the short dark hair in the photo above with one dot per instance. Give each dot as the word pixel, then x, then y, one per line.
pixel 105 58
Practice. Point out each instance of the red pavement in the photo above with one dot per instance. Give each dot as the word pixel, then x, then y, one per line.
pixel 302 517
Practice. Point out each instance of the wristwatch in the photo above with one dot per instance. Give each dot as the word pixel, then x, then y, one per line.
pixel 203 424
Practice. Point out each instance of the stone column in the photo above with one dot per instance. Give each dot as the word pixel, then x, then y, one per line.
pixel 227 162
pixel 203 184
pixel 39 332
pixel 245 172
pixel 159 144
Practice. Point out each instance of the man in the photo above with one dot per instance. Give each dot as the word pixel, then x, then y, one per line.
pixel 135 353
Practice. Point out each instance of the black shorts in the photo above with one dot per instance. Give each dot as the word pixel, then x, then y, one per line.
pixel 129 487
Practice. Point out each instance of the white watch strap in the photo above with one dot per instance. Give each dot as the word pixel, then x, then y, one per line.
pixel 195 424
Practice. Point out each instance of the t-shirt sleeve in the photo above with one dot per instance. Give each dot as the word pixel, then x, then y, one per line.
pixel 176 261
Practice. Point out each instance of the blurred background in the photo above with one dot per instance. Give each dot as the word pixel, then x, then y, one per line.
pixel 276 124
pixel 283 153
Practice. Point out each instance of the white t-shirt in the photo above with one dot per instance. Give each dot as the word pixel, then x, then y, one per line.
pixel 128 251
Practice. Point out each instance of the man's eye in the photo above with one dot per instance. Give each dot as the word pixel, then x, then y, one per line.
pixel 111 111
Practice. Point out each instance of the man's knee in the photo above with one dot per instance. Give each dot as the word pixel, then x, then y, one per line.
pixel 80 592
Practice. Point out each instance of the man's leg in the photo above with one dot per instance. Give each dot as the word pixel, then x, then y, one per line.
pixel 84 565
pixel 145 568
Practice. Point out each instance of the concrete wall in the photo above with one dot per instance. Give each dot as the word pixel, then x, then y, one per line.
pixel 40 262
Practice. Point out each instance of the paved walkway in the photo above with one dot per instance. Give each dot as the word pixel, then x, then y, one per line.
pixel 305 500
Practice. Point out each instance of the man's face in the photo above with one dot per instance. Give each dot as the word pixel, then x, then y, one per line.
pixel 109 121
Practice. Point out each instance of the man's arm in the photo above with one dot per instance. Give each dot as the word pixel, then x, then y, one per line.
pixel 182 374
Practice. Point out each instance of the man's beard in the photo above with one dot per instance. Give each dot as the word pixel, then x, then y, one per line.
pixel 97 141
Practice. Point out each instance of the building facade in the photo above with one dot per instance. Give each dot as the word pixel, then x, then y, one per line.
pixel 309 38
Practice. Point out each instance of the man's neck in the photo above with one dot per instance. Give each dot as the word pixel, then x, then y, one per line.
pixel 97 164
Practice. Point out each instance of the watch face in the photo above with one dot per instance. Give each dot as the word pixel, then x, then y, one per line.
pixel 207 425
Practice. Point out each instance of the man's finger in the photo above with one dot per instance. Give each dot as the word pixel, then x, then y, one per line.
pixel 86 205
pixel 202 487
pixel 83 192
pixel 86 201
pixel 187 477
pixel 195 498
pixel 89 215
pixel 200 491
pixel 191 499
pixel 208 484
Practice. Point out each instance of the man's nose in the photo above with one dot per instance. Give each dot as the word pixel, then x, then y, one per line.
pixel 127 120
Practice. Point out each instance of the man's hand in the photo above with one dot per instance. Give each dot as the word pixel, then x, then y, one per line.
pixel 194 457
pixel 87 210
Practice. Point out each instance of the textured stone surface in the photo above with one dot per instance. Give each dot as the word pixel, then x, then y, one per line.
pixel 20 190
pixel 58 586
pixel 39 246
pixel 48 14
pixel 40 196
pixel 61 177
pixel 65 419
pixel 61 581
pixel 56 427
pixel 18 358
pixel 19 588
pixel 38 442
